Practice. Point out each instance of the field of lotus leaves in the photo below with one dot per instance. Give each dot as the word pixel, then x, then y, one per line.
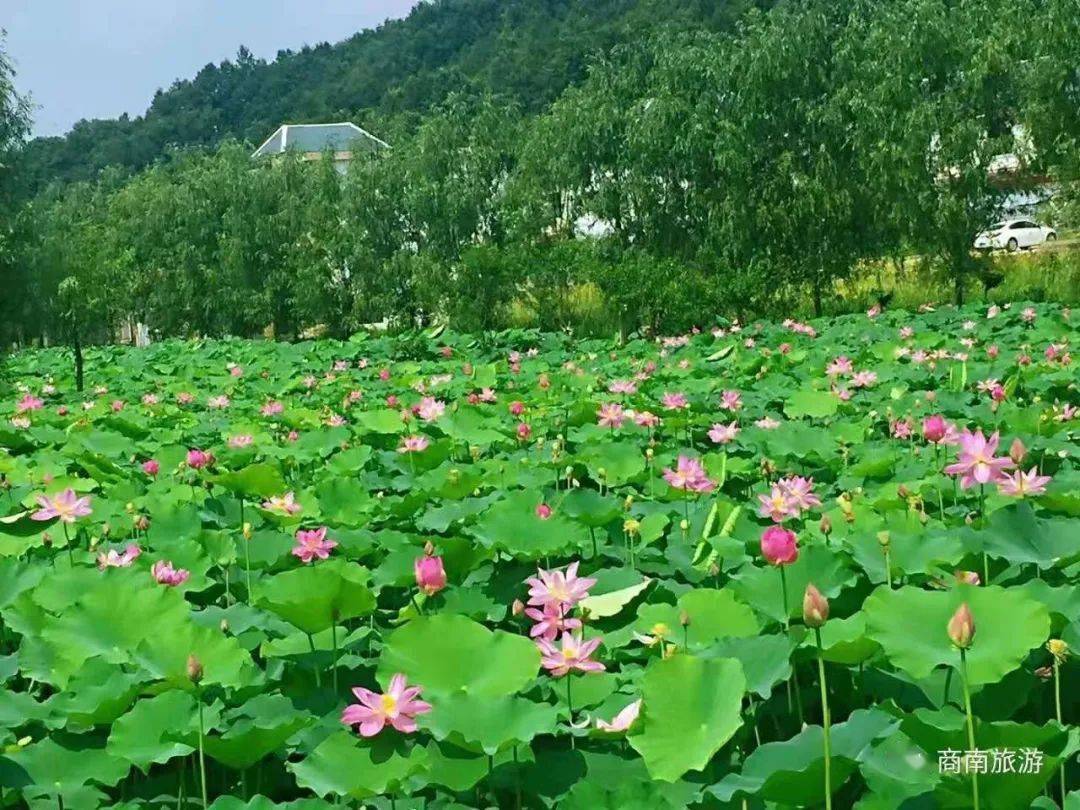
pixel 757 566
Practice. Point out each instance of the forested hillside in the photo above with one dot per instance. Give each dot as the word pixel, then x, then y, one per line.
pixel 524 51
pixel 743 161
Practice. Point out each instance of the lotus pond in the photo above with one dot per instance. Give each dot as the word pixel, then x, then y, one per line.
pixel 770 565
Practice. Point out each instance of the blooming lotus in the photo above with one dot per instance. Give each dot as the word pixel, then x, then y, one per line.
pixel 164 573
pixel 689 475
pixel 283 504
pixel 976 463
pixel 543 511
pixel 767 423
pixel 1022 484
pixel 622 387
pixel 524 431
pixel 29 403
pixel 730 400
pixel 272 408
pixel 610 415
pixel 550 621
pixel 555 587
pixel 312 544
pixel 799 491
pixel 674 401
pixel 398 706
pixel 776 506
pixel 66 505
pixel 241 441
pixel 723 434
pixel 572 653
pixel 197 459
pixel 623 720
pixel 430 409
pixel 414 444
pixel 114 559
pixel 219 402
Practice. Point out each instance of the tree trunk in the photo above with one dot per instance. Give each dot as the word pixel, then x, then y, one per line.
pixel 77 346
pixel 817 295
pixel 959 287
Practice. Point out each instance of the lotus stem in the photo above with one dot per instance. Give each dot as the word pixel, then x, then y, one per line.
pixel 970 725
pixel 202 756
pixel 1057 709
pixel 826 720
pixel 333 640
pixel 318 674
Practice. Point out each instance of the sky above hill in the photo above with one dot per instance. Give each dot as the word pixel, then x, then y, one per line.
pixel 101 58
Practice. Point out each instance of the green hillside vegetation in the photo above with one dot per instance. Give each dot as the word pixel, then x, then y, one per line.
pixel 747 160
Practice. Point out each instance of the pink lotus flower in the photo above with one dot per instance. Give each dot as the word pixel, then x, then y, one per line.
pixel 66 506
pixel 937 430
pixel 197 459
pixel 21 422
pixel 219 402
pixel 117 405
pixel 550 621
pixel 1023 484
pixel 839 367
pixel 149 400
pixel 799 491
pixel 623 720
pixel 776 506
pixel 312 544
pixel 779 546
pixel 184 398
pixel 543 511
pixel 976 463
pixel 398 707
pixel 235 370
pixel 863 379
pixel 283 504
pixel 1028 315
pixel 516 408
pixel 646 419
pixel 610 415
pixel 414 444
pixel 241 441
pixel 430 574
pixel 555 587
pixel 622 387
pixel 689 476
pixel 723 434
pixel 165 574
pixel 151 467
pixel 901 429
pixel 430 409
pixel 573 653
pixel 524 431
pixel 767 423
pixel 113 559
pixel 29 403
pixel 272 408
pixel 674 401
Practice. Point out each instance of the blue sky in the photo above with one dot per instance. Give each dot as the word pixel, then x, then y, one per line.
pixel 101 58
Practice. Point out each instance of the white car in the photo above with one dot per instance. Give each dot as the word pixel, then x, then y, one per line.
pixel 1013 234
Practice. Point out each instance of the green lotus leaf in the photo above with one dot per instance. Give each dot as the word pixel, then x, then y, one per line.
pixel 760 587
pixel 313 597
pixel 620 462
pixel 255 729
pixel 447 654
pixel 158 729
pixel 766 659
pixel 63 765
pixel 487 724
pixel 254 482
pixel 346 765
pixel 690 708
pixel 701 616
pixel 512 525
pixel 1007 626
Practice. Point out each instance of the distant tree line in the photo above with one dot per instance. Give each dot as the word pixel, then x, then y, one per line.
pixel 734 167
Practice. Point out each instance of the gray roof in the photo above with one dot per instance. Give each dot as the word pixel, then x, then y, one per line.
pixel 339 137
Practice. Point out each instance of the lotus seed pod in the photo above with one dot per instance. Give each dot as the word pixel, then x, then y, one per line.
pixel 815 607
pixel 962 627
pixel 648 452
pixel 631 526
pixel 684 524
pixel 884 540
pixel 247 531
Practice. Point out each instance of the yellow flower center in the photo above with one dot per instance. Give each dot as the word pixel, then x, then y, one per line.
pixel 660 629
pixel 389 704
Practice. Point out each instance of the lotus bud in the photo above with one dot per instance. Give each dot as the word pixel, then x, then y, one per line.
pixel 1017 451
pixel 648 452
pixel 142 523
pixel 430 575
pixel 903 492
pixel 714 570
pixel 1058 648
pixel 247 531
pixel 884 540
pixel 962 627
pixel 429 549
pixel 517 608
pixel 684 524
pixel 224 626
pixel 629 502
pixel 194 669
pixel 815 607
pixel 825 525
pixel 684 618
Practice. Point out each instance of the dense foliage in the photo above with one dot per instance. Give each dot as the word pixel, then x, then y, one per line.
pixel 773 558
pixel 742 170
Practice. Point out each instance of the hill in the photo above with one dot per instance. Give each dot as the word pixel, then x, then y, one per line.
pixel 524 51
